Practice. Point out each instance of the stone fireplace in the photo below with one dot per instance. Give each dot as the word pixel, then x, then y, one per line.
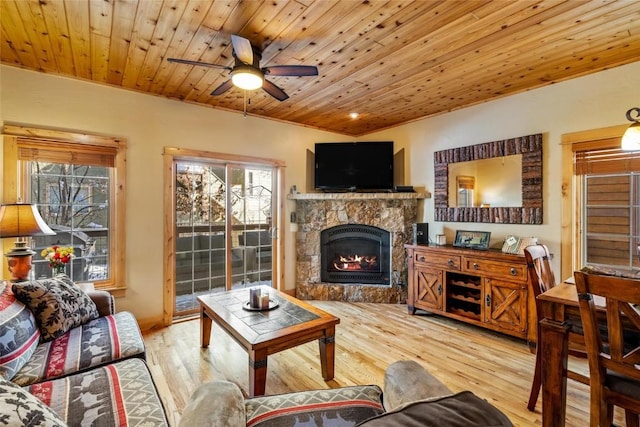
pixel 391 213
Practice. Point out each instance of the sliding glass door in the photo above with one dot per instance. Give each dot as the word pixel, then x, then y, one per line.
pixel 223 228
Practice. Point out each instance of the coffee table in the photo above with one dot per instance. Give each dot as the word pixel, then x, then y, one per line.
pixel 262 333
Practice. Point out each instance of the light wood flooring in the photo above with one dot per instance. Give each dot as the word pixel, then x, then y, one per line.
pixel 369 337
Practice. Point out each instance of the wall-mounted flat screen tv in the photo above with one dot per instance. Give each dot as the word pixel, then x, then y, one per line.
pixel 354 166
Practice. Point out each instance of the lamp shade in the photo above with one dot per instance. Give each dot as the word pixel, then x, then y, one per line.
pixel 22 220
pixel 631 138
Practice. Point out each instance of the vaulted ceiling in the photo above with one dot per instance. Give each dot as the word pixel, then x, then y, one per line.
pixel 390 61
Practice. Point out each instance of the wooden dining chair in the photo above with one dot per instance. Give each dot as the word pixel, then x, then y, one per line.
pixel 542 279
pixel 614 360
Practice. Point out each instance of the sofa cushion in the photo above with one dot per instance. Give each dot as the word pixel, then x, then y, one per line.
pixel 57 303
pixel 458 410
pixel 341 406
pixel 102 340
pixel 19 408
pixel 119 394
pixel 19 334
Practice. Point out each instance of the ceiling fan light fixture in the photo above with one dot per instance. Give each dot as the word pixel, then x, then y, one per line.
pixel 247 74
pixel 247 78
pixel 631 137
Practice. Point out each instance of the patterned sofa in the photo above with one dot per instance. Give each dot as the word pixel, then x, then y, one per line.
pixel 66 358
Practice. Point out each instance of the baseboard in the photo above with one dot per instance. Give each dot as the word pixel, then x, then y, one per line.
pixel 151 323
pixel 290 292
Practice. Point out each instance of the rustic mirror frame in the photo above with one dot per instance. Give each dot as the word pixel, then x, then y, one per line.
pixel 530 146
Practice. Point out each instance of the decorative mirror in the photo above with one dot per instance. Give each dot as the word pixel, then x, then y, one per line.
pixel 516 167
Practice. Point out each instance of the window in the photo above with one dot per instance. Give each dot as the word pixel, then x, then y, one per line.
pixel 610 214
pixel 77 183
pixel 605 207
pixel 74 201
pixel 466 186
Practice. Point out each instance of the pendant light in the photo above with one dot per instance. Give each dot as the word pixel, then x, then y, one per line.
pixel 631 137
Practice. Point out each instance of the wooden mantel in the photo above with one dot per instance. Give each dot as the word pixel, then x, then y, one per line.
pixel 359 196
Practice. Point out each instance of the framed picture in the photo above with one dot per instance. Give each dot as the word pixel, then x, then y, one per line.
pixel 472 239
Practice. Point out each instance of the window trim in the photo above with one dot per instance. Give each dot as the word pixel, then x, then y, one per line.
pixel 571 226
pixel 15 184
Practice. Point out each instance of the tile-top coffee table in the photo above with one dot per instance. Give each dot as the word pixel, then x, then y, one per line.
pixel 262 333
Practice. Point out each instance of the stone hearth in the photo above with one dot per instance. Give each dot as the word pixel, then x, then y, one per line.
pixel 394 212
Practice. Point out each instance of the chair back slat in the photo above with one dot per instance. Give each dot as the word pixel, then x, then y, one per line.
pixel 614 328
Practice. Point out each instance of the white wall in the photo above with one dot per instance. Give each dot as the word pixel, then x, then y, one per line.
pixel 590 102
pixel 150 123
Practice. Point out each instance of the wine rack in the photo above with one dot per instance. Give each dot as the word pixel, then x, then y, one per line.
pixel 464 295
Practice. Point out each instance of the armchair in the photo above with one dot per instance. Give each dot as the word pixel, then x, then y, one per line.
pixel 411 395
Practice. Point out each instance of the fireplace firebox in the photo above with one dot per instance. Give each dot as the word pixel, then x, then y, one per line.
pixel 355 253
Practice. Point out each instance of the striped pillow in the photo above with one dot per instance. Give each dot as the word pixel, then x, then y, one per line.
pixel 19 334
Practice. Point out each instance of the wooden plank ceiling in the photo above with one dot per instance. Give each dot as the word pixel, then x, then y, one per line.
pixel 390 61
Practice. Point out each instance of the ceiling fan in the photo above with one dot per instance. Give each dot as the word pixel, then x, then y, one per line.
pixel 246 72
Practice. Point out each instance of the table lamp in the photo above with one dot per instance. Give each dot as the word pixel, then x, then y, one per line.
pixel 21 220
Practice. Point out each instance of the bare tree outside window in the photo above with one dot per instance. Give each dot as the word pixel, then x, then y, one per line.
pixel 74 201
pixel 200 195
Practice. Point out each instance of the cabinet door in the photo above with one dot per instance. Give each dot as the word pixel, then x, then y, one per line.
pixel 505 305
pixel 428 288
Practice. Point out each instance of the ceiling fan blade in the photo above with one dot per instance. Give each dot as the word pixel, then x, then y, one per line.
pixel 291 70
pixel 242 48
pixel 222 88
pixel 202 64
pixel 274 91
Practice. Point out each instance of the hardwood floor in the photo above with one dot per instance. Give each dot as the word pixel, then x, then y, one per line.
pixel 369 337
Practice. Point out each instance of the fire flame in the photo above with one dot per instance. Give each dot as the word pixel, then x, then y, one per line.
pixel 355 262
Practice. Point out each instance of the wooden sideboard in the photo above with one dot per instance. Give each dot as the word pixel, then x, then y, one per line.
pixel 485 288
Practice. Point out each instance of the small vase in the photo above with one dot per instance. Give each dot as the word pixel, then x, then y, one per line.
pixel 57 269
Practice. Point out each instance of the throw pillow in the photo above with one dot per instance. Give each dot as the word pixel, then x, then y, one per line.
pixel 19 334
pixel 458 410
pixel 57 304
pixel 19 408
pixel 339 406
